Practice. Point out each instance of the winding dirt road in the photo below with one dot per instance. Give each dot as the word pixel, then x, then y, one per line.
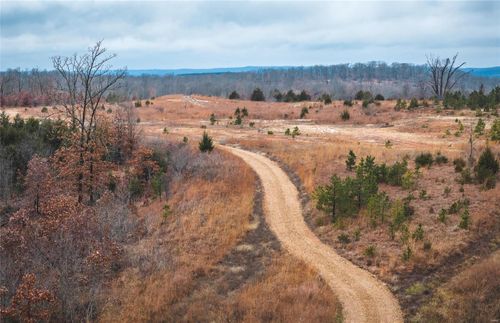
pixel 363 297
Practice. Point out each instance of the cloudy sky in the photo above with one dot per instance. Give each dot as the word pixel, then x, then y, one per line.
pixel 159 34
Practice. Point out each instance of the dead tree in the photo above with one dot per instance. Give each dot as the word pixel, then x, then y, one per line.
pixel 86 79
pixel 444 74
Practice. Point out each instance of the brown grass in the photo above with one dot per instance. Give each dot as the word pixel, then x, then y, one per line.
pixel 208 217
pixel 289 292
pixel 170 272
pixel 471 296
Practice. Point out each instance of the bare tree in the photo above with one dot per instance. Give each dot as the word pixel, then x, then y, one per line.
pixel 444 74
pixel 87 78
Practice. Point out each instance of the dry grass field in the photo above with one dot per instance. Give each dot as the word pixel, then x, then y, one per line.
pixel 175 267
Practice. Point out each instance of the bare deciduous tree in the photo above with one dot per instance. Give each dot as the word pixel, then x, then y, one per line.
pixel 444 74
pixel 87 78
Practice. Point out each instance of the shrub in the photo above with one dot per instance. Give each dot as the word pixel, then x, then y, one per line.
pixel 257 95
pixel 400 105
pixel 345 115
pixel 427 245
pixel 459 164
pixel 379 97
pixel 407 252
pixel 251 124
pixel 440 159
pixel 234 96
pixel 487 166
pixel 424 159
pixel 464 219
pixel 185 140
pixel 212 119
pixel 206 143
pixel 304 112
pixel 418 234
pixel 270 132
pixel 479 128
pixel 44 110
pixel 465 176
pixel 287 132
pixel 495 130
pixel 295 132
pixel 109 110
pixel 442 216
pixel 408 180
pixel 413 104
pixel 348 103
pixel 326 98
pixel 344 238
pixel 138 104
pixel 370 251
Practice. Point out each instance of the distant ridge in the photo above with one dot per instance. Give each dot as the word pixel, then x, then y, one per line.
pixel 493 71
pixel 490 72
pixel 218 70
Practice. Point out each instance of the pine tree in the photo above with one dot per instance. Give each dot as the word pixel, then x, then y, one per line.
pixel 351 160
pixel 206 143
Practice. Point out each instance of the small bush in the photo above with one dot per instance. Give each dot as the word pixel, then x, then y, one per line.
pixel 370 251
pixel 418 234
pixel 464 219
pixel 304 112
pixel 413 104
pixel 407 253
pixel 270 132
pixel 44 110
pixel 479 128
pixel 459 164
pixel 442 216
pixel 441 159
pixel 138 104
pixel 345 115
pixel 424 159
pixel 495 130
pixel 400 105
pixel 348 103
pixel 379 97
pixel 344 238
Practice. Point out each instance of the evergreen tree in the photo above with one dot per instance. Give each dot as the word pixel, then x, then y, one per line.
pixel 351 160
pixel 206 143
pixel 257 95
pixel 234 96
pixel 487 166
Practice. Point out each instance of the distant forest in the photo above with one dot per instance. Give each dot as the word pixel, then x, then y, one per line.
pixel 397 80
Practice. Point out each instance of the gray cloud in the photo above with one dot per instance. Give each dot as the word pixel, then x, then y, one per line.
pixel 155 34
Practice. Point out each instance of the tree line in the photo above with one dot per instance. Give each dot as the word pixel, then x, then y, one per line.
pixel 35 87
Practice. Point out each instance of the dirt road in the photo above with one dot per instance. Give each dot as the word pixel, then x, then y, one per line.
pixel 363 297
